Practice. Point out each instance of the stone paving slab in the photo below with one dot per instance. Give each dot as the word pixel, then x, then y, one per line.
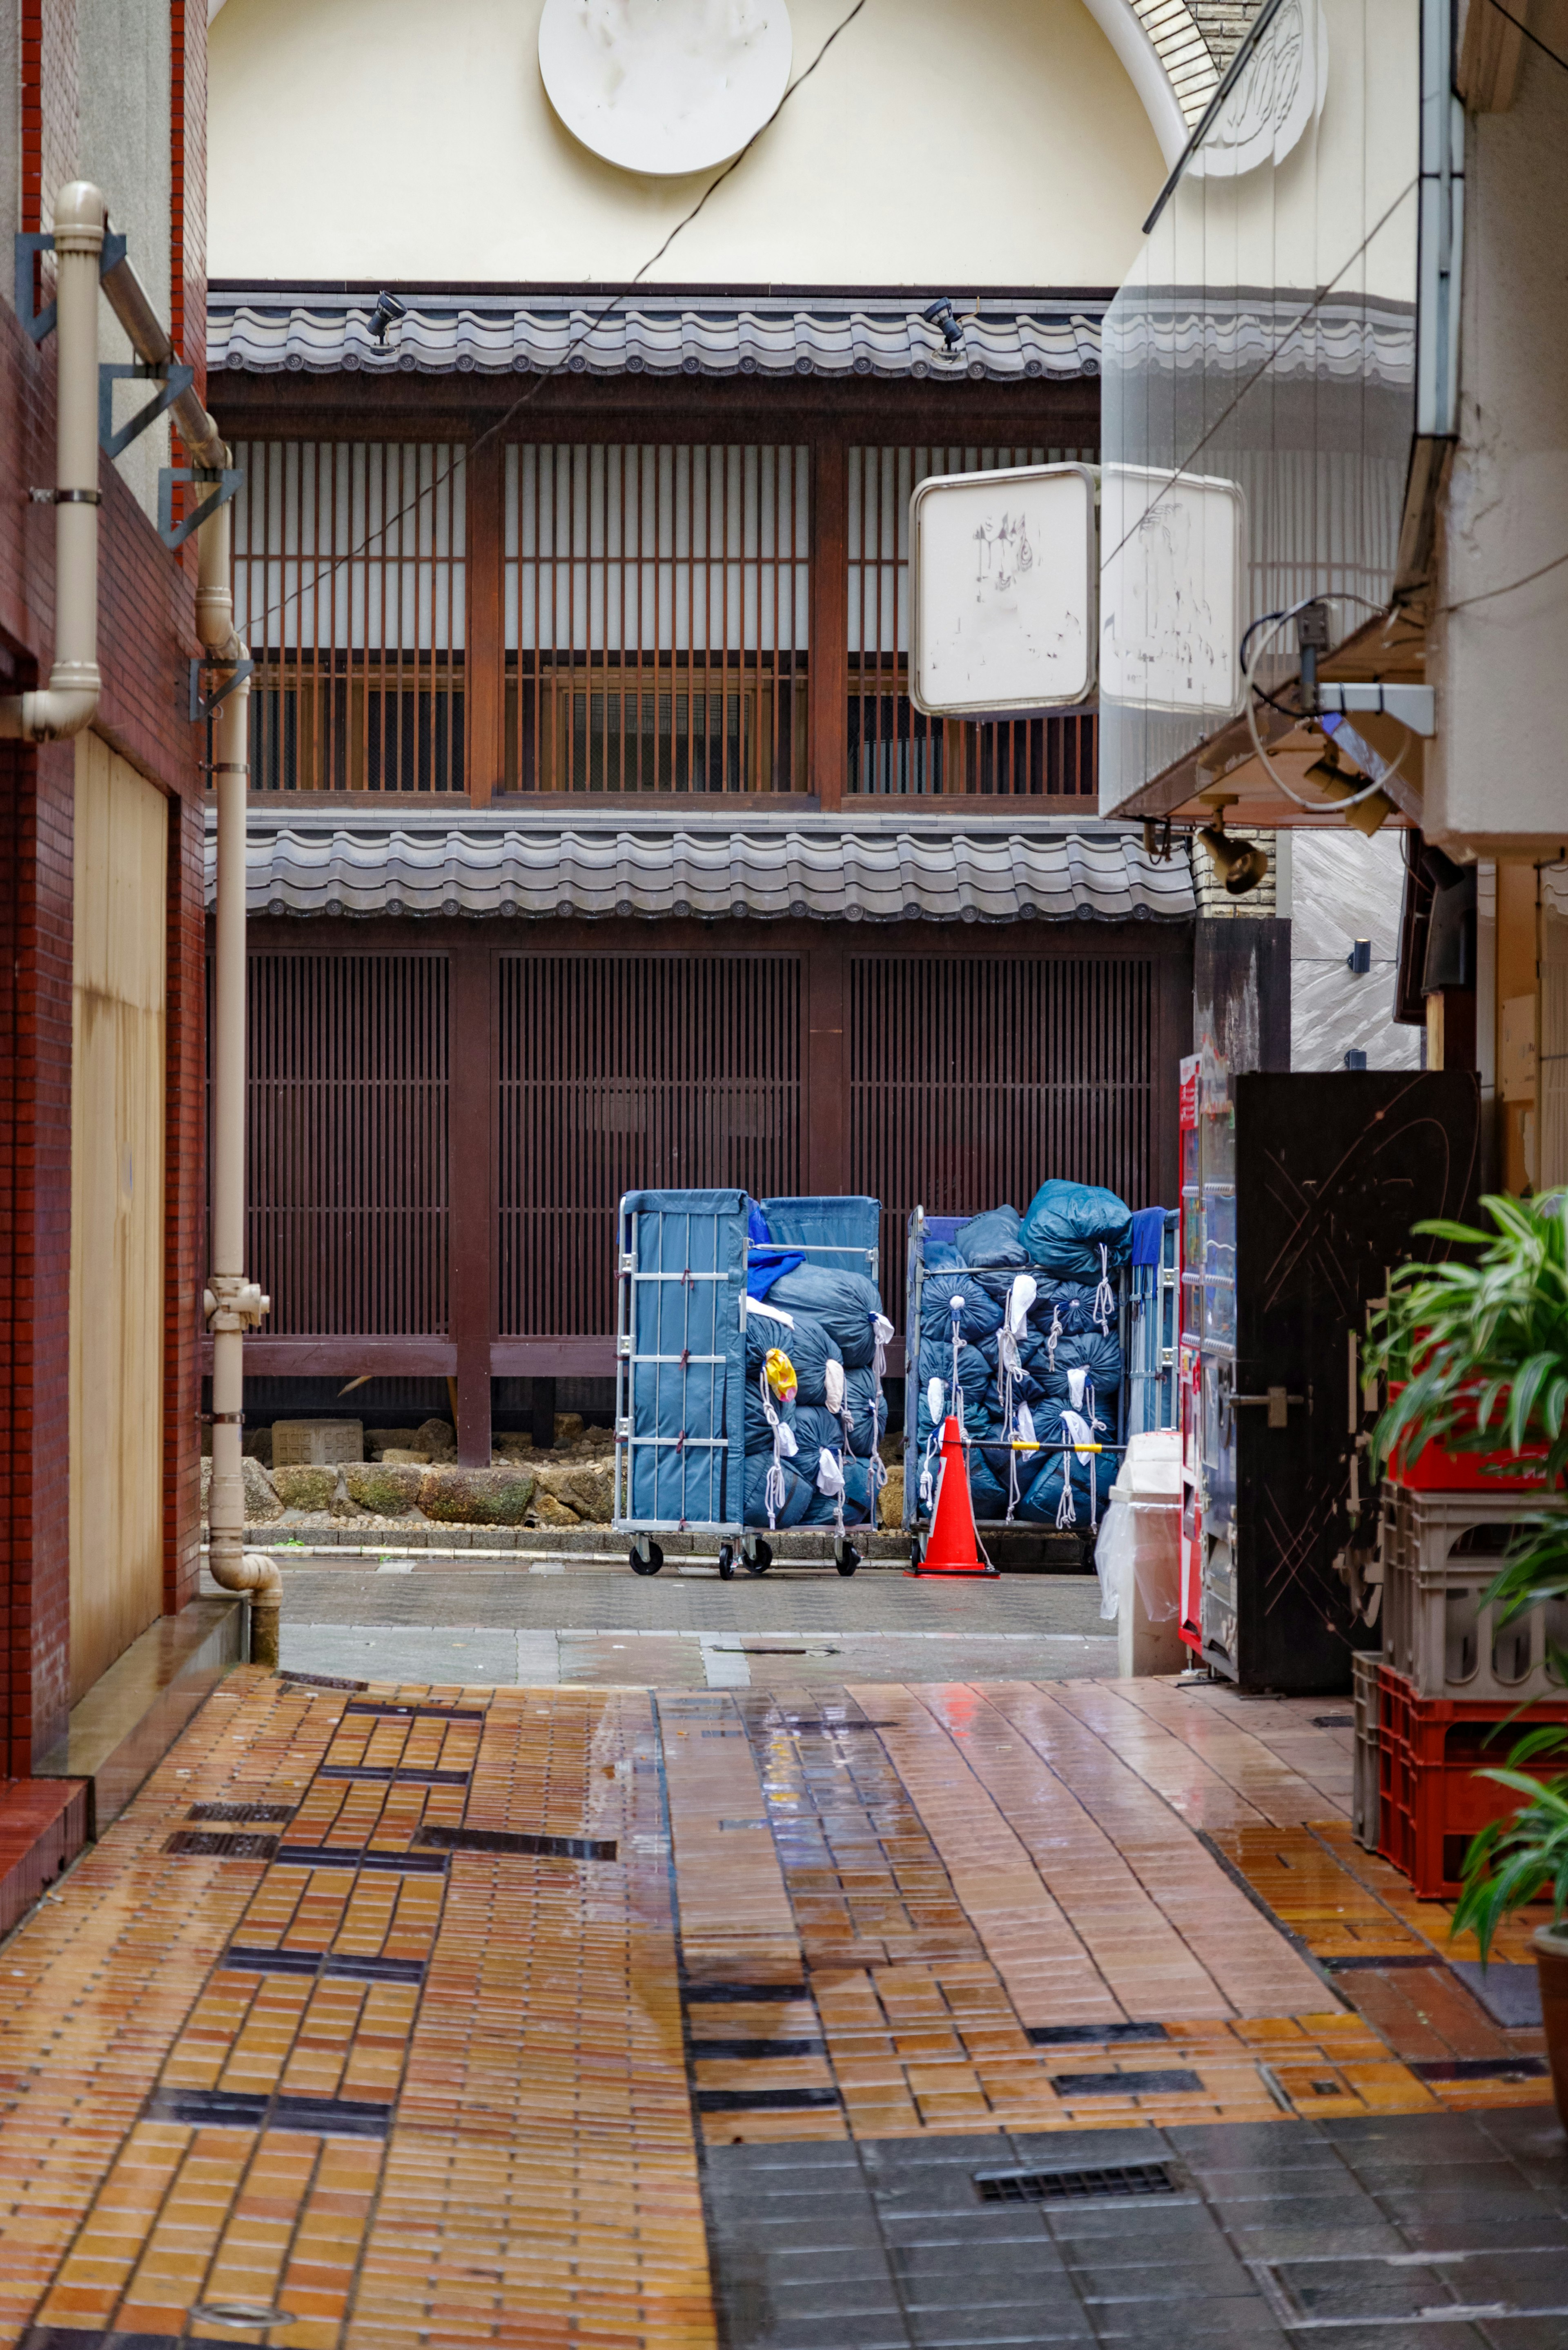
pixel 421 2014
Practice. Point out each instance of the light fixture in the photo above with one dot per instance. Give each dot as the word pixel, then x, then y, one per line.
pixel 385 315
pixel 940 315
pixel 1370 813
pixel 1241 865
pixel 1356 1059
pixel 1359 959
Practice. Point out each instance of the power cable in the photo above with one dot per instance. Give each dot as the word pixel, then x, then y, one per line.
pixel 547 375
pixel 1488 593
pixel 1319 298
pixel 1521 26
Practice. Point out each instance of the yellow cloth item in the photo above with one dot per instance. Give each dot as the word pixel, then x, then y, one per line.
pixel 781 1374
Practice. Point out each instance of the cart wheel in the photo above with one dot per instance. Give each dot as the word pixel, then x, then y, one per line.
pixel 846 1557
pixel 917 1553
pixel 726 1562
pixel 758 1557
pixel 647 1557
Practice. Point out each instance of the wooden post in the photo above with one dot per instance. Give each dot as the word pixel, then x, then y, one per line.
pixel 470 1149
pixel 485 658
pixel 827 675
pixel 824 1093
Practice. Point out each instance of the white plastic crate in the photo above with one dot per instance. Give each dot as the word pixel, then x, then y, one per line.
pixel 1364 1792
pixel 1441 1553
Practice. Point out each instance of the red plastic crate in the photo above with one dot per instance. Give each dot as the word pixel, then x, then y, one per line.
pixel 1430 1803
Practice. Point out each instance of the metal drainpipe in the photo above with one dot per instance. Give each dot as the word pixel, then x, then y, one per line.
pixel 231 1303
pixel 67 703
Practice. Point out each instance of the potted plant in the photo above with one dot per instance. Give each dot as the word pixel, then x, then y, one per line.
pixel 1475 1352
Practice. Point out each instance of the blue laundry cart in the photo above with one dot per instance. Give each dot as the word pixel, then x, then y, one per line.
pixel 693 1270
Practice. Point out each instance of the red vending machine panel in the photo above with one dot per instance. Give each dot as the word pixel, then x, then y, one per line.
pixel 1187 1374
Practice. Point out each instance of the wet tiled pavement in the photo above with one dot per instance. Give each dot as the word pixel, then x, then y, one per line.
pixel 416 2014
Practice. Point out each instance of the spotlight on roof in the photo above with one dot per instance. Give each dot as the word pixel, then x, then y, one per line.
pixel 1240 864
pixel 386 314
pixel 940 315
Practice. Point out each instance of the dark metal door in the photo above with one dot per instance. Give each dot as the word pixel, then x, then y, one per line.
pixel 1331 1171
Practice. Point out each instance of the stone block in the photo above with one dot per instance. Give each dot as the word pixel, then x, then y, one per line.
pixel 262 1501
pixel 315 1443
pixel 587 1487
pixel 476 1497
pixel 436 1437
pixel 404 1456
pixel 387 1487
pixel 258 1445
pixel 304 1488
pixel 568 1426
pixel 551 1512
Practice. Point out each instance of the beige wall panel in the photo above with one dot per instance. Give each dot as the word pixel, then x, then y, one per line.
pixel 942 143
pixel 117 1210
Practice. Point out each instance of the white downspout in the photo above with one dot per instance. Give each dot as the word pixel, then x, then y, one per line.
pixel 65 707
pixel 67 703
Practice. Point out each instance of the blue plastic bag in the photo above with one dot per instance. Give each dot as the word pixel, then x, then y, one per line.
pixel 991 1240
pixel 1065 1225
pixel 982 1313
pixel 843 1303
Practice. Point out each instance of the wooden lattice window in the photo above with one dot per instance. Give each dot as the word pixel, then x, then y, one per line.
pixel 349 587
pixel 656 618
pixel 893 748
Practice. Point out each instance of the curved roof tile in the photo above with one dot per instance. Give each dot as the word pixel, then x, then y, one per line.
pixel 541 871
pixel 265 330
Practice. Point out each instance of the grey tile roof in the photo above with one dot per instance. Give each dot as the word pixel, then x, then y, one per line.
pixel 877 871
pixel 263 330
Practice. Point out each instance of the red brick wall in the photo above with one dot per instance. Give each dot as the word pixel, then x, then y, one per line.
pixel 146 636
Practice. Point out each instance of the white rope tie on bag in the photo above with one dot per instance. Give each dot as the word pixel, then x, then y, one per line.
pixel 1054 1332
pixel 830 1480
pixel 882 1336
pixel 1105 1296
pixel 936 1407
pixel 784 1446
pixel 1078 1435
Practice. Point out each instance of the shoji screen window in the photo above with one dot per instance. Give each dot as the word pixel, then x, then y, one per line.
pixel 656 618
pixel 893 748
pixel 350 588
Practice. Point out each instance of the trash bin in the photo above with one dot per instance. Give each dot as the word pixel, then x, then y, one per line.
pixel 1139 1556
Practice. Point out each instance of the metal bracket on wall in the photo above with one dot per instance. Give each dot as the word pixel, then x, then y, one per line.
pixel 175 377
pixel 27 246
pixel 174 534
pixel 202 705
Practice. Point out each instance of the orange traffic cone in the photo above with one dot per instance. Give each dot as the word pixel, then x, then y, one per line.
pixel 951 1549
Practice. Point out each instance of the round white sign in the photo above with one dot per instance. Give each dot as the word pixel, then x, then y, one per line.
pixel 665 86
pixel 1280 91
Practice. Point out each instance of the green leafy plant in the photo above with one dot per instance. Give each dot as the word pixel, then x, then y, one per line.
pixel 1508 1863
pixel 1476 1354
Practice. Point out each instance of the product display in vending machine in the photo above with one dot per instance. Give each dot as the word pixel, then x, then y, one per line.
pixel 1191 1259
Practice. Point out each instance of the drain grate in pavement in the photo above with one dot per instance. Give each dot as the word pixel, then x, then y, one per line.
pixel 1334 1721
pixel 547 1847
pixel 332 1855
pixel 1092 2035
pixel 1359 1960
pixel 759 2101
pixel 321 1680
pixel 1126 2085
pixel 1075 2185
pixel 241 1812
pixel 219 1843
pixel 744 2051
pixel 229 2109
pixel 246 1959
pixel 403 1775
pixel 742 1994
pixel 1480 2068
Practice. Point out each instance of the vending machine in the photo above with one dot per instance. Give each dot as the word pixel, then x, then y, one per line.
pixel 1298 1194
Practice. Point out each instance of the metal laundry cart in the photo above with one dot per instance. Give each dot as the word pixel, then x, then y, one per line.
pixel 923 1230
pixel 682 1262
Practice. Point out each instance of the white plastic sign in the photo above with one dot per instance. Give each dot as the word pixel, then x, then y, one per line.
pixel 1171 589
pixel 1001 591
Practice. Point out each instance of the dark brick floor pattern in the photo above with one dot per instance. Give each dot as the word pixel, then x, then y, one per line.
pixel 1278 2234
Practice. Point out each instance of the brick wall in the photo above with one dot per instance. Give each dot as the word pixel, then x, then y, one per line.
pixel 146 636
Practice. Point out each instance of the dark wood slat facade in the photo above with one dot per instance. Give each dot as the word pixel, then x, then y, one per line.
pixel 440 1126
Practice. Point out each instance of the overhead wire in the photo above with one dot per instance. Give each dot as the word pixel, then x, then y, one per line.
pixel 548 375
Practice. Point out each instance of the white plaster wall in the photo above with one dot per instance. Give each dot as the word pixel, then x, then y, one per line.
pixel 1345 887
pixel 1497 777
pixel 953 142
pixel 123 146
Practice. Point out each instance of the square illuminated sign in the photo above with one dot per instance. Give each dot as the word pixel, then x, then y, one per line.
pixel 1001 591
pixel 1173 550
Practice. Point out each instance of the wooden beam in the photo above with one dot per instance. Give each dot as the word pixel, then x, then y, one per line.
pixel 827 680
pixel 485 661
pixel 470 1194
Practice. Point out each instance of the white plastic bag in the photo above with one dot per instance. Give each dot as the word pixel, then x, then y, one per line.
pixel 1114 1551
